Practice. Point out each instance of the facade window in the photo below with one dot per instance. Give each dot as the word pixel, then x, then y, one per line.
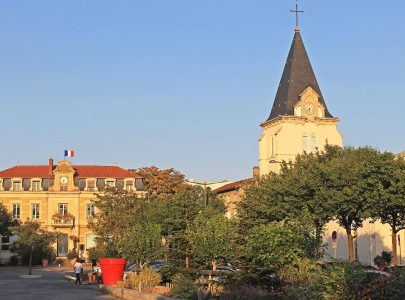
pixel 36 186
pixel 305 143
pixel 5 243
pixel 16 211
pixel 90 241
pixel 16 186
pixel 110 183
pixel 63 209
pixel 314 145
pixel 63 188
pixel 272 146
pixel 89 210
pixel 35 211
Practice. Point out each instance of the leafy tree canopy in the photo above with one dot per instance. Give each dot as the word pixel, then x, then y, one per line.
pixel 211 239
pixel 6 221
pixel 116 211
pixel 160 183
pixel 141 243
pixel 33 238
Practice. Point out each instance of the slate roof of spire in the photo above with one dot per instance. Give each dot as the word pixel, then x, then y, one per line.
pixel 297 76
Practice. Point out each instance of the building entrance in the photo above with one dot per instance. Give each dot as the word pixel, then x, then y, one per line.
pixel 62 245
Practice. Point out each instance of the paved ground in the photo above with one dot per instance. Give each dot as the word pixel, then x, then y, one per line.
pixel 53 285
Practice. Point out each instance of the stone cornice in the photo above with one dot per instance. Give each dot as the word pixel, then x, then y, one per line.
pixel 299 120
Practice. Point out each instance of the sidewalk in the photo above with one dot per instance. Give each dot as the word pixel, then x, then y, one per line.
pixel 53 285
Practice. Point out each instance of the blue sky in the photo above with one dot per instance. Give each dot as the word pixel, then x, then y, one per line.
pixel 185 84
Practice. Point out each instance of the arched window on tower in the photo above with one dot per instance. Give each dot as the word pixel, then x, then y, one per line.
pixel 298 111
pixel 314 143
pixel 320 112
pixel 305 145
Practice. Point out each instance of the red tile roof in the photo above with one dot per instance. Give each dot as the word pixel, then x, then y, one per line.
pixel 231 186
pixel 81 172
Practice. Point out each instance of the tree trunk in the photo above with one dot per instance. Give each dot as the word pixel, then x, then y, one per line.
pixel 30 262
pixel 350 245
pixel 394 248
pixel 318 236
pixel 214 264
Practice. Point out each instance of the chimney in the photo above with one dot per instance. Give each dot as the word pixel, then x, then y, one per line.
pixel 50 166
pixel 256 172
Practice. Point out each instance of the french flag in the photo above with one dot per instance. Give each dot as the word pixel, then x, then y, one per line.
pixel 69 153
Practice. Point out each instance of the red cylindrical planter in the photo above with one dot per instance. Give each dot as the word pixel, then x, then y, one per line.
pixel 112 269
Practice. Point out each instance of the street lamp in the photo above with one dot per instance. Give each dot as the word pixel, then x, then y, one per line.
pixel 204 184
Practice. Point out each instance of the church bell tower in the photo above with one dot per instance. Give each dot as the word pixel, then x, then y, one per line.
pixel 299 120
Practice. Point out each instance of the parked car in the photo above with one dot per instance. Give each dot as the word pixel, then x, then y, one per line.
pixel 131 267
pixel 157 264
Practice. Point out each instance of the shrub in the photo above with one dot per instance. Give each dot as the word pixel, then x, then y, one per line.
pixel 168 272
pixel 37 256
pixel 242 291
pixel 184 287
pixel 14 260
pixel 72 254
pixel 146 278
pixel 339 280
pixel 383 260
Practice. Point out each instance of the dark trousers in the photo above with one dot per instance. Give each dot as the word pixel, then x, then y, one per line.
pixel 78 278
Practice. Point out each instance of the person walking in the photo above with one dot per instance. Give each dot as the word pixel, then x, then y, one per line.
pixel 78 267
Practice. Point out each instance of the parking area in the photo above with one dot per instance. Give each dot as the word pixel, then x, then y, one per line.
pixel 52 285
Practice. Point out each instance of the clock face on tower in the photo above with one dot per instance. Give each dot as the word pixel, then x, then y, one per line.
pixel 63 180
pixel 309 108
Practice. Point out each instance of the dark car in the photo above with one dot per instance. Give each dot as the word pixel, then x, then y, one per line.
pixel 157 264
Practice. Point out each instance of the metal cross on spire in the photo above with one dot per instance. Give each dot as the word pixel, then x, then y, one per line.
pixel 296 11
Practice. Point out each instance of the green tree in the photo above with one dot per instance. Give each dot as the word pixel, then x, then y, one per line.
pixel 351 177
pixel 176 213
pixel 116 211
pixel 389 206
pixel 33 238
pixel 298 188
pixel 277 244
pixel 211 238
pixel 6 221
pixel 141 243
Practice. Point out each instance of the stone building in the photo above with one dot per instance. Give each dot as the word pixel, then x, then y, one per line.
pixel 301 122
pixel 59 198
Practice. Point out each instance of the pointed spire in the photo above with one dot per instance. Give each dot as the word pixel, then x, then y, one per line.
pixel 297 76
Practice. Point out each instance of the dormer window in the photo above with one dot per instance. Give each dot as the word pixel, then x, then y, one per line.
pixel 129 185
pixel 110 183
pixel 91 185
pixel 36 185
pixel 16 185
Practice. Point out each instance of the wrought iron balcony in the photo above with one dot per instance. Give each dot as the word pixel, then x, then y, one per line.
pixel 59 220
